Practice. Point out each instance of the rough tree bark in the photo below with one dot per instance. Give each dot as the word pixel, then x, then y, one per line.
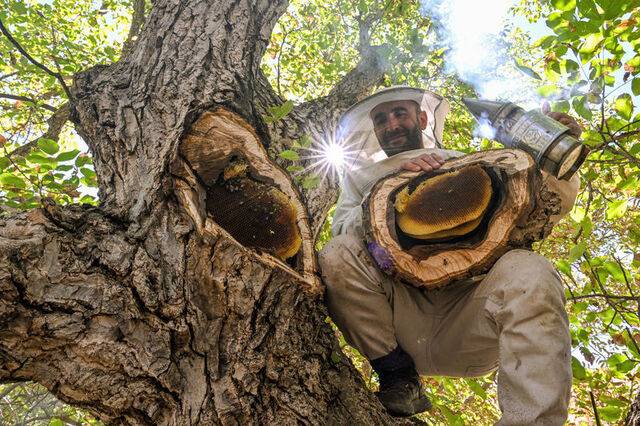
pixel 135 312
pixel 633 416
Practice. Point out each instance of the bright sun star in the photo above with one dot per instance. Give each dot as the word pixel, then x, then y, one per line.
pixel 328 157
pixel 334 153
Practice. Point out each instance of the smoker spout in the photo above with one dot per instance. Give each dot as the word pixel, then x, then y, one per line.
pixel 481 108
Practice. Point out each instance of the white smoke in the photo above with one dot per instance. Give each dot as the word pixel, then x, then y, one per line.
pixel 484 129
pixel 474 33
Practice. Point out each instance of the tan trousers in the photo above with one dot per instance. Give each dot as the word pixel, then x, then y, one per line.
pixel 513 319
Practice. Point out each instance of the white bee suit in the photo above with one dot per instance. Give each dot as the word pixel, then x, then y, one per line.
pixel 511 319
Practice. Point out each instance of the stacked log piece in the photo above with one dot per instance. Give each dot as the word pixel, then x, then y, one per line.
pixel 434 228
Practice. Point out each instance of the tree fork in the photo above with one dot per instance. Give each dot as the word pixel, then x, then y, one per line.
pixel 144 310
pixel 182 325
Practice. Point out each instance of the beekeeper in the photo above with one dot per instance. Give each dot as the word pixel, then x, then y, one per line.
pixel 511 319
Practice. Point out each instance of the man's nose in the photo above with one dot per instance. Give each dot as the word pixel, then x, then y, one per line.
pixel 392 122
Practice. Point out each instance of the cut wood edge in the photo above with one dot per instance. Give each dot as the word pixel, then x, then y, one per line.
pixel 522 182
pixel 204 151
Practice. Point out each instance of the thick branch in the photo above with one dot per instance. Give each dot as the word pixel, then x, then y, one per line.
pixel 137 20
pixel 56 123
pixel 354 86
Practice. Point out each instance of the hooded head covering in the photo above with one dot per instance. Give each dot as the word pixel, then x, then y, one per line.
pixel 355 128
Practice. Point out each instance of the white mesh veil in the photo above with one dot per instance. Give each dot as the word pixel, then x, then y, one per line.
pixel 355 128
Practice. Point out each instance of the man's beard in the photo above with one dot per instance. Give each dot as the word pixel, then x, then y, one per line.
pixel 412 140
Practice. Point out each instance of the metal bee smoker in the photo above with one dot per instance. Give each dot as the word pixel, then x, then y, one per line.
pixel 546 140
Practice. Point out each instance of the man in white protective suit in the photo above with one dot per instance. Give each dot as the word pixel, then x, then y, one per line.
pixel 511 319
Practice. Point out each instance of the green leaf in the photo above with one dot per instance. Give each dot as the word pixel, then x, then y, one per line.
pixel 616 209
pixel 311 181
pixel 634 63
pixel 49 146
pixel 548 90
pixel 587 226
pixel 289 155
pixel 635 86
pixel 576 252
pixel 626 366
pixel 564 5
pixel 295 169
pixel 624 106
pixel 83 160
pixel 616 272
pixel 561 106
pixel 591 43
pixel 564 267
pixel 476 388
pixel 305 141
pixel 279 112
pixel 69 155
pixel 580 306
pixel 528 71
pixel 12 181
pixel 87 199
pixel 544 42
pixel 36 158
pixel 452 419
pixel 88 173
pixel 610 413
pixel 588 9
pixel 614 8
pixel 56 422
pixel 578 370
pixel 580 105
pixel 4 163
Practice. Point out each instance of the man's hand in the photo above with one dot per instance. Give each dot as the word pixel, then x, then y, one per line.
pixel 425 162
pixel 575 129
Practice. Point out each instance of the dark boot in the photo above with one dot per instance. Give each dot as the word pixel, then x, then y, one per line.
pixel 400 391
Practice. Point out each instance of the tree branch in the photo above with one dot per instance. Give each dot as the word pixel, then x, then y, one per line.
pixel 603 296
pixel 26 99
pixel 5 76
pixel 623 152
pixel 136 25
pixel 40 65
pixel 595 409
pixel 56 123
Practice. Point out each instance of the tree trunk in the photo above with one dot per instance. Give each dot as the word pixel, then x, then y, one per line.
pixel 517 213
pixel 145 311
pixel 633 416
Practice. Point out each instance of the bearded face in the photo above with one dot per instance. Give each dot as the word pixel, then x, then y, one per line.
pixel 398 126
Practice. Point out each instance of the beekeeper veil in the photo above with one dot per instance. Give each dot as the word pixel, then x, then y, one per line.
pixel 355 132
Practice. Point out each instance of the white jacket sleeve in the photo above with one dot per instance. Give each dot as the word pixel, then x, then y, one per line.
pixel 347 219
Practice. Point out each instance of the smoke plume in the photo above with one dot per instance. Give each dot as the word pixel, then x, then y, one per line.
pixel 475 34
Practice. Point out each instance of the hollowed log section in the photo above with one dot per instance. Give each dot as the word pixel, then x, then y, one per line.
pixel 474 209
pixel 229 186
